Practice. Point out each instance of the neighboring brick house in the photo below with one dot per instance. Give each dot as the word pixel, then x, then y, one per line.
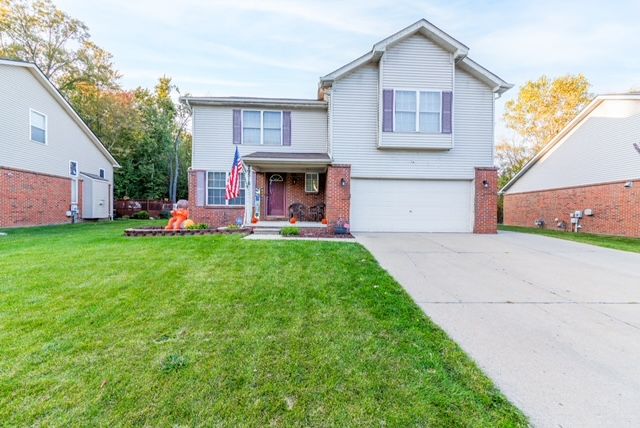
pixel 53 169
pixel 400 139
pixel 592 166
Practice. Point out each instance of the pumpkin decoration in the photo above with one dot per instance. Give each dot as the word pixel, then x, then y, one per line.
pixel 254 219
pixel 325 221
pixel 293 220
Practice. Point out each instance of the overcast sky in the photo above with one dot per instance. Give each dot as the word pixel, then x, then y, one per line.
pixel 279 48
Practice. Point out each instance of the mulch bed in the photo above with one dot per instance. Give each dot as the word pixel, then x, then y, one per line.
pixel 158 231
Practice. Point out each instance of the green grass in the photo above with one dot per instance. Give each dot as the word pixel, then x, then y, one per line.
pixel 615 242
pixel 101 330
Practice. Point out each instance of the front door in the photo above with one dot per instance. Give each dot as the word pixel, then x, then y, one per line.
pixel 275 206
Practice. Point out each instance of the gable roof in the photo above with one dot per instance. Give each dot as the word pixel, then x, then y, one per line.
pixel 62 101
pixel 427 29
pixel 559 138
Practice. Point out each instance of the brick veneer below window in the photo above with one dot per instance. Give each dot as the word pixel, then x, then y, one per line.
pixel 486 201
pixel 32 199
pixel 616 209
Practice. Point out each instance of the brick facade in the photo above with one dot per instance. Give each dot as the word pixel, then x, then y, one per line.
pixel 294 191
pixel 337 197
pixel 32 199
pixel 486 200
pixel 213 216
pixel 616 208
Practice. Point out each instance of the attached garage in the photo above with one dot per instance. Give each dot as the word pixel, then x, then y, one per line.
pixel 379 205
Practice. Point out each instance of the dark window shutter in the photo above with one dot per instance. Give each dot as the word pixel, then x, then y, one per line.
pixel 237 127
pixel 286 128
pixel 201 188
pixel 447 104
pixel 387 110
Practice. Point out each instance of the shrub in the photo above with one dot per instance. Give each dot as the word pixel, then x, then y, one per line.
pixel 141 215
pixel 233 227
pixel 290 231
pixel 164 214
pixel 198 226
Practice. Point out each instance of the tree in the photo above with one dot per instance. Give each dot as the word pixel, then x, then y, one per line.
pixel 511 158
pixel 59 45
pixel 545 106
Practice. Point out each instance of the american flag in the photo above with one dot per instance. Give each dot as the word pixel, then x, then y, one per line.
pixel 233 185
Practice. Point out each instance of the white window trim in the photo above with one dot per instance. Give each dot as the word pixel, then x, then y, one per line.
pixel 317 176
pixel 417 121
pixel 226 180
pixel 46 127
pixel 261 127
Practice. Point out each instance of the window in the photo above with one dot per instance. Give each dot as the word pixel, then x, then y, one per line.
pixel 311 182
pixel 73 169
pixel 417 111
pixel 262 127
pixel 38 125
pixel 101 173
pixel 217 189
pixel 430 112
pixel 405 111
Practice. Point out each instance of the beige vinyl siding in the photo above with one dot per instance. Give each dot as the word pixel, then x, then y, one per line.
pixel 213 146
pixel 416 63
pixel 599 150
pixel 21 91
pixel 354 101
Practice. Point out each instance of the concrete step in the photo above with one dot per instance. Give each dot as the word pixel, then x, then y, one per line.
pixel 266 230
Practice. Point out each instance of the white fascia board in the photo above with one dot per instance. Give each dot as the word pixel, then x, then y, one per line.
pixel 39 75
pixel 255 102
pixel 497 84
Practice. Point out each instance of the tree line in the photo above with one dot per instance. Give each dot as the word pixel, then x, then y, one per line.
pixel 145 130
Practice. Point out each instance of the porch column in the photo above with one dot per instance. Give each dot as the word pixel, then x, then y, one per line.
pixel 250 196
pixel 486 200
pixel 338 194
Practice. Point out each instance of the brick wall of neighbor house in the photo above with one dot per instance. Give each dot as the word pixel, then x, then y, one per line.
pixel 31 199
pixel 486 201
pixel 338 198
pixel 213 216
pixel 616 209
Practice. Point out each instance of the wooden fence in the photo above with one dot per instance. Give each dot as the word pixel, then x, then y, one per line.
pixel 128 207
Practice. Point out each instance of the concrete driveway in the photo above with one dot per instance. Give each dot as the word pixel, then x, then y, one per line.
pixel 554 323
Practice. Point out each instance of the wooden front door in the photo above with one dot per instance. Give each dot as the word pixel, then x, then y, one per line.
pixel 275 206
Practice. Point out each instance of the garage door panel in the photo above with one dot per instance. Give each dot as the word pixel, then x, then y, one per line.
pixel 411 206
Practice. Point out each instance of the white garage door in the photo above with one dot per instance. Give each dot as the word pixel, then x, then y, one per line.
pixel 411 206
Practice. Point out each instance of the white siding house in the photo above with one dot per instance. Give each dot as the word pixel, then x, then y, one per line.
pixel 592 166
pixel 411 121
pixel 46 147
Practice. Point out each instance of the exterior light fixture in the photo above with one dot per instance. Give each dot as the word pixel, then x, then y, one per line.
pixel 485 184
pixel 343 182
pixel 628 184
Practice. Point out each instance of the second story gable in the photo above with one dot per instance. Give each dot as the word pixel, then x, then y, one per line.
pixel 220 124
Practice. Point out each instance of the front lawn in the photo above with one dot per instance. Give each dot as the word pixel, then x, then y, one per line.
pixel 101 330
pixel 615 242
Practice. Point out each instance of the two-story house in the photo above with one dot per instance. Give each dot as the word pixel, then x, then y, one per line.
pixel 400 139
pixel 53 169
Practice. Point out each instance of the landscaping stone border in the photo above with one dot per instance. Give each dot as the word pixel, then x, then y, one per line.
pixel 151 231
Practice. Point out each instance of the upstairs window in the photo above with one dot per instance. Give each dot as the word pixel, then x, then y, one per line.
pixel 427 112
pixel 101 173
pixel 38 125
pixel 262 127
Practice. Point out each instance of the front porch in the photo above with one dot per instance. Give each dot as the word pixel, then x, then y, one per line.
pixel 301 185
